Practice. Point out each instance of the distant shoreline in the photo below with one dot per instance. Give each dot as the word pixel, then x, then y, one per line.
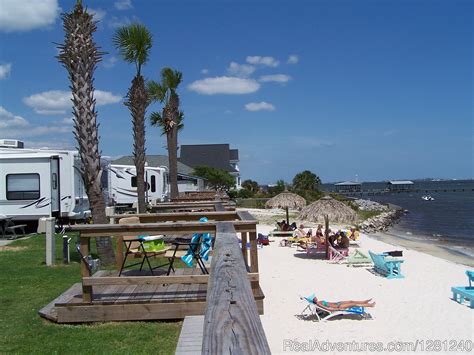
pixel 428 247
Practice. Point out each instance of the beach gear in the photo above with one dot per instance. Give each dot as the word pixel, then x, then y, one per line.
pixel 322 313
pixel 461 293
pixel 198 248
pixel 262 239
pixel 387 266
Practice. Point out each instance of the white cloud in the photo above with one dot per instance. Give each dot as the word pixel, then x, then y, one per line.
pixel 123 4
pixel 16 127
pixel 98 14
pixel 26 15
pixel 50 144
pixel 9 120
pixel 310 142
pixel 110 62
pixel 277 78
pixel 293 59
pixel 267 61
pixel 58 102
pixel 224 85
pixel 116 22
pixel 5 70
pixel 106 98
pixel 205 71
pixel 259 106
pixel 241 70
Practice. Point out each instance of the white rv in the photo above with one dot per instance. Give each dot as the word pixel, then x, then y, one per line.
pixel 38 183
pixel 122 184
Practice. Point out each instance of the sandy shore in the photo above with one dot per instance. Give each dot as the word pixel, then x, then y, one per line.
pixel 416 308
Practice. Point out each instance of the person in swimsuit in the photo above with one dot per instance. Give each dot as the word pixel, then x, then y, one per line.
pixel 342 305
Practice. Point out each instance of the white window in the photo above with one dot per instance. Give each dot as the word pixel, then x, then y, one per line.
pixel 23 186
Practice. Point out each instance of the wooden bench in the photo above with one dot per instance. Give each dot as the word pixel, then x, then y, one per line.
pixel 13 230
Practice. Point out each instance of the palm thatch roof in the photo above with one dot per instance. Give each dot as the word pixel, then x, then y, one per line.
pixel 286 200
pixel 335 210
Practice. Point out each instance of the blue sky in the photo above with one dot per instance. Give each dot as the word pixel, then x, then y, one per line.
pixel 377 89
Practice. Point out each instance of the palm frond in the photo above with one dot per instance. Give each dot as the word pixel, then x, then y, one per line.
pixel 171 78
pixel 157 120
pixel 133 43
pixel 156 91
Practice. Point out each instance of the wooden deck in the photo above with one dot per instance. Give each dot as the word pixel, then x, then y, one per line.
pixel 133 302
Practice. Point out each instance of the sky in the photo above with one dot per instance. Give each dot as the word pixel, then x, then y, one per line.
pixel 367 90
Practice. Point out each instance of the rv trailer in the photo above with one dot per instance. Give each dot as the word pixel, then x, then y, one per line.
pixel 41 183
pixel 122 184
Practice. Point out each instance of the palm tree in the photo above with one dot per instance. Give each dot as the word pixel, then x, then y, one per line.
pixel 79 55
pixel 134 43
pixel 170 120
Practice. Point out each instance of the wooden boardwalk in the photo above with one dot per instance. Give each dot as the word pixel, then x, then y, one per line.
pixel 133 302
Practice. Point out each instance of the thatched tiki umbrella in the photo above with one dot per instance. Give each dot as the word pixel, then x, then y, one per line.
pixel 327 209
pixel 286 200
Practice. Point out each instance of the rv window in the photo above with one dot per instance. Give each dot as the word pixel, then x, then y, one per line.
pixel 23 186
pixel 153 183
pixel 134 181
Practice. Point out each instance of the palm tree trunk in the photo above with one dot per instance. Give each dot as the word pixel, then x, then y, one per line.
pixel 137 102
pixel 172 140
pixel 79 55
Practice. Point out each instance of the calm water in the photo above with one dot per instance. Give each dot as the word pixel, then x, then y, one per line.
pixel 449 219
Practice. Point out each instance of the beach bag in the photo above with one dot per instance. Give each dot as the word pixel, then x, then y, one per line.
pixel 262 239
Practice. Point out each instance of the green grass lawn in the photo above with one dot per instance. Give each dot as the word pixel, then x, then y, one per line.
pixel 27 284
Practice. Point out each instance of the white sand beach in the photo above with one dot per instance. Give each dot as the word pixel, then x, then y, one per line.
pixel 416 308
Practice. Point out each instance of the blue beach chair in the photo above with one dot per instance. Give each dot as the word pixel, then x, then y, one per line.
pixel 323 313
pixel 387 266
pixel 461 293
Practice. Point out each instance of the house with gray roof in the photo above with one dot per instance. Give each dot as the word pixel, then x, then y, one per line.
pixel 186 180
pixel 218 156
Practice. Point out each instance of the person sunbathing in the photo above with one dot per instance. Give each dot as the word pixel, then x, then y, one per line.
pixel 342 305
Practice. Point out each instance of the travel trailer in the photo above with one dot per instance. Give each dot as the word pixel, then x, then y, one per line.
pixel 41 183
pixel 122 184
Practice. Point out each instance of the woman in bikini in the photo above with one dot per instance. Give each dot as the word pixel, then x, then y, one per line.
pixel 342 305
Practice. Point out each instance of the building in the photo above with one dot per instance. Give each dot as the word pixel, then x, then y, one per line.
pixel 218 156
pixel 348 187
pixel 186 180
pixel 400 185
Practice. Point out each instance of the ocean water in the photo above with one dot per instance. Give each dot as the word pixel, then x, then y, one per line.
pixel 448 220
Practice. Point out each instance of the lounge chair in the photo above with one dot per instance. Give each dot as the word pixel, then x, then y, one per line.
pixel 338 255
pixel 461 293
pixel 323 313
pixel 387 266
pixel 358 259
pixel 135 247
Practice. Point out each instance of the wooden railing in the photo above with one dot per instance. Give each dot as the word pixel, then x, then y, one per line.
pixel 231 324
pixel 201 205
pixel 246 226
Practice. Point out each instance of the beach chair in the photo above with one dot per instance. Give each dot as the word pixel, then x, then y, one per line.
pixel 461 293
pixel 338 255
pixel 323 313
pixel 387 266
pixel 358 259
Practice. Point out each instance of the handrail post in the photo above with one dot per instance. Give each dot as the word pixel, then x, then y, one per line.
pixel 86 290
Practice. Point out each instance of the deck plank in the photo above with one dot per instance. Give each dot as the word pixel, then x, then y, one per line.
pixel 190 337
